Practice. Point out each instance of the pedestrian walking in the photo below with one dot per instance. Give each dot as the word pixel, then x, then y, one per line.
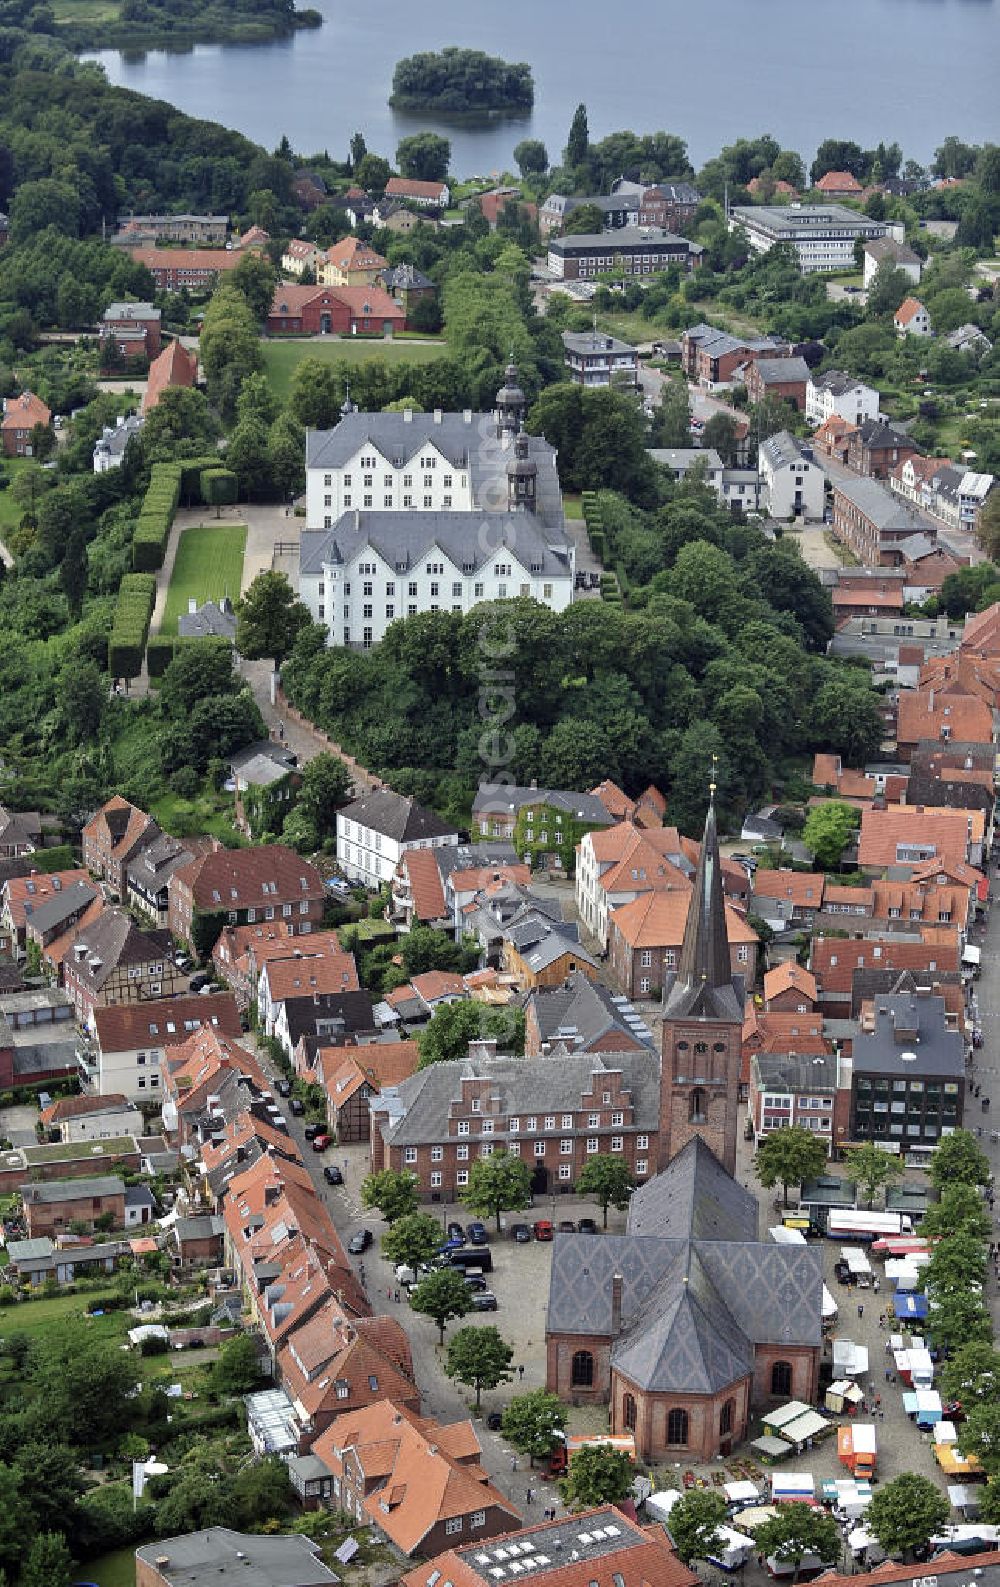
pixel 888 1374
pixel 527 1496
pixel 861 1311
pixel 513 1462
pixel 397 1297
pixel 520 1372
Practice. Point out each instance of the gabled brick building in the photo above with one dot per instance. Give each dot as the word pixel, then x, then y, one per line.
pixel 239 887
pixel 114 836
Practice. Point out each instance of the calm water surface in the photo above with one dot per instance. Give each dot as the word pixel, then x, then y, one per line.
pixel 709 70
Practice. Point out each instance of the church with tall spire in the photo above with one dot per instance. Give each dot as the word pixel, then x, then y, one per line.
pixel 701 1048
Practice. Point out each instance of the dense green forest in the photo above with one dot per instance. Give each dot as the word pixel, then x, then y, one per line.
pixel 461 82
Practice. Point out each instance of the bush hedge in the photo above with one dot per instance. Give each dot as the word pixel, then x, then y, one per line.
pixel 133 611
pixel 168 483
pixel 162 648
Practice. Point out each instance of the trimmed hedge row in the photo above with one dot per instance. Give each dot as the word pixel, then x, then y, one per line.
pixel 168 483
pixel 136 596
pixel 162 648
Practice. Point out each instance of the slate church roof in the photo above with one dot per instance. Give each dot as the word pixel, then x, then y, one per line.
pixel 699 1290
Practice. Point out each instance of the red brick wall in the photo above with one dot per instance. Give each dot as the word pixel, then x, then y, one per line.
pixel 559 1352
pixel 50 1216
pixel 719 1093
pixel 704 1420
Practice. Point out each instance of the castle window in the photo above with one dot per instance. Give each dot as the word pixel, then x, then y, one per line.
pixel 696 1110
pixel 582 1370
pixel 677 1428
pixel 726 1418
pixel 781 1378
pixel 628 1413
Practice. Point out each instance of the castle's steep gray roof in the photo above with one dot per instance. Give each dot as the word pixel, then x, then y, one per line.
pixel 403 539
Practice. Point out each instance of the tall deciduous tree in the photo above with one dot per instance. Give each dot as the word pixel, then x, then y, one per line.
pixel 480 1359
pixel 904 1514
pixel 424 157
pixel 578 142
pixel 695 1521
pixel 499 1183
pixel 959 1160
pixel 412 1239
pixel 788 1157
pixel 870 1167
pixel 609 1180
pixel 442 1295
pixel 828 830
pixel 798 1530
pixel 598 1474
pixel 393 1194
pixel 269 618
pixel 533 1423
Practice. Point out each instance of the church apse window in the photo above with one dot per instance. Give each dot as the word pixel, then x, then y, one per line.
pixel 582 1370
pixel 781 1378
pixel 628 1412
pixel 677 1428
pixel 696 1107
pixel 726 1416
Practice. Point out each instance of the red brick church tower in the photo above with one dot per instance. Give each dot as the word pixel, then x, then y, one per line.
pixel 702 1024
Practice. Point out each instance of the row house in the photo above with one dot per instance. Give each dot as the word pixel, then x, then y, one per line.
pixel 911 835
pixel 318 967
pixel 958 774
pixel 420 1484
pixel 645 937
pixel 206 231
pixel 300 256
pixel 51 1208
pixel 190 269
pixel 581 1016
pixel 353 1074
pixel 713 357
pixel 835 961
pixel 908 1073
pixel 376 830
pixel 113 961
pixel 800 1091
pixel 241 951
pixel 194 1074
pixel 942 715
pixel 836 393
pixel 23 896
pixel 132 329
pixel 242 886
pixel 113 837
pixel 148 873
pixel 872 522
pixel 875 447
pixel 337 1364
pixel 616 866
pixel 953 495
pixel 788 899
pixel 782 379
pixel 554 1113
pixel 129 1041
pixel 789 989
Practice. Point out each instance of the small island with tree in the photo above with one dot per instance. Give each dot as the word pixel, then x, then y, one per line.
pixel 465 83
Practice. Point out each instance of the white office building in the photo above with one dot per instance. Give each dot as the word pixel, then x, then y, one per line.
pixel 374 831
pixel 792 483
pixel 822 235
pixel 841 395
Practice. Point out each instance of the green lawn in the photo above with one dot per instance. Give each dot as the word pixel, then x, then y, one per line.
pixel 47 1318
pixel 282 358
pixel 116 1569
pixel 572 506
pixel 10 513
pixel 209 565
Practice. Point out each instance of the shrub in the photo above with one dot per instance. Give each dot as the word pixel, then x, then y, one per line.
pixel 152 530
pixel 130 627
pixel 153 1345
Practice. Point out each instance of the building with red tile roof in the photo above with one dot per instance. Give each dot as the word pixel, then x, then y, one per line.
pixel 175 366
pixel 420 1482
pixel 130 1041
pixel 839 184
pixel 646 936
pixel 350 263
pixel 908 835
pixel 22 895
pixel 615 864
pixel 321 311
pixel 983 1568
pixel 20 416
pixel 418 890
pixel 114 836
pixel 305 974
pixel 912 319
pixel 834 960
pixel 333 1365
pixel 798 894
pixel 788 988
pixel 933 713
pixel 553 1554
pixel 981 634
pixel 196 269
pixel 267 882
pixel 352 1075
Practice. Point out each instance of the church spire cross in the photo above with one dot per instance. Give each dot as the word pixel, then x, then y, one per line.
pixel 704 956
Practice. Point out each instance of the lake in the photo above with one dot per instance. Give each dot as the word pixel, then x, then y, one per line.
pixel 710 70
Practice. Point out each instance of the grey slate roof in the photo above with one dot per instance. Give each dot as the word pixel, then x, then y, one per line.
pixel 580 1013
pixel 683 1334
pixel 682 458
pixel 196 1557
pixel 206 1227
pixel 523 1085
pixel 112 940
pixel 130 311
pixel 704 983
pixel 494 798
pixel 210 621
pixel 396 817
pixel 625 237
pixel 782 450
pixel 883 507
pixel 936 1051
pixel 405 538
pixel 459 439
pixel 60 906
pixel 594 342
pixel 808 219
pixel 263 763
pixel 782 370
pixel 694 1196
pixel 837 381
pixel 542 944
pixel 154 865
pixel 879 433
pixel 882 248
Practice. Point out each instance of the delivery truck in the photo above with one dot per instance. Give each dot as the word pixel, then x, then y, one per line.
pixel 858 1449
pixel 855 1225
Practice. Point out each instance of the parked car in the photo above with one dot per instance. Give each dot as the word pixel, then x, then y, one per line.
pixel 183 962
pixel 320 1142
pixel 494 1421
pixel 298 1107
pixel 359 1242
pixel 199 982
pixel 312 1130
pixel 587 1226
pixel 521 1233
pixel 449 1246
pixel 284 1088
pixel 477 1233
pixel 485 1301
pixel 567 1226
pixel 476 1283
pixel 543 1229
pixel 456 1233
pixel 332 1175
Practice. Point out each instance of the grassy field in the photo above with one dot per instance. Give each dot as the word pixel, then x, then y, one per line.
pixel 116 1569
pixel 10 513
pixel 572 506
pixel 281 359
pixel 85 10
pixel 47 1318
pixel 209 565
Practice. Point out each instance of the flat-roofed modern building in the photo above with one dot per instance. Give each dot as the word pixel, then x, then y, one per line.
pixel 822 235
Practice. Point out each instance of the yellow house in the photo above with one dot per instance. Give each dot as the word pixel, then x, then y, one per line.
pixel 350 263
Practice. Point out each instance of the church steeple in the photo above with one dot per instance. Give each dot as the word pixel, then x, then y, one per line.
pixel 704 981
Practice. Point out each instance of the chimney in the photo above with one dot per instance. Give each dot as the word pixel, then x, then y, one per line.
pixel 407 415
pixel 616 1305
pixel 192 605
pixel 437 415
